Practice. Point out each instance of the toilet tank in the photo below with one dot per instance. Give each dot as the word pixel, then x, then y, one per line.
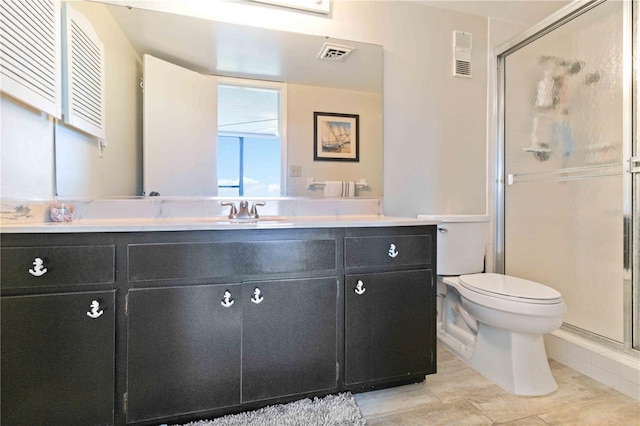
pixel 461 243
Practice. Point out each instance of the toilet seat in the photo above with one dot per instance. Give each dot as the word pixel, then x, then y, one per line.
pixel 510 288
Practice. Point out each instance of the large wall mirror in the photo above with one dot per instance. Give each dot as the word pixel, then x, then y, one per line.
pixel 208 50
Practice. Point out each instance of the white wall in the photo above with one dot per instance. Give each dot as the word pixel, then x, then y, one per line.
pixel 26 151
pixel 302 102
pixel 434 124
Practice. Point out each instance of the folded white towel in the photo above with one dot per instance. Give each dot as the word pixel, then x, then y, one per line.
pixel 339 188
pixel 333 188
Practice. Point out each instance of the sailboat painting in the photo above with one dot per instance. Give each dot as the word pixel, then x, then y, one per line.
pixel 336 137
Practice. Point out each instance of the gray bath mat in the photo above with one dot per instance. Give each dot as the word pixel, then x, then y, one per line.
pixel 332 410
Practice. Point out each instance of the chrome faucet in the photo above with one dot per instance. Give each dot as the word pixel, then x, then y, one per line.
pixel 254 209
pixel 233 212
pixel 243 211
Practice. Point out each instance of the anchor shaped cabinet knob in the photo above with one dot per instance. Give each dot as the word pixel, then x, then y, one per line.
pixel 257 297
pixel 392 251
pixel 227 301
pixel 360 288
pixel 38 268
pixel 95 311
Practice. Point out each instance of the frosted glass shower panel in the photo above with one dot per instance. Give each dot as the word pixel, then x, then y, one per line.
pixel 563 130
pixel 563 96
pixel 569 235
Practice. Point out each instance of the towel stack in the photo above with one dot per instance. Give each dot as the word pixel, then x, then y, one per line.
pixel 339 188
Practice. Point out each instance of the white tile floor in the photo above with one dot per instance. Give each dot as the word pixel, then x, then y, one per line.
pixel 458 395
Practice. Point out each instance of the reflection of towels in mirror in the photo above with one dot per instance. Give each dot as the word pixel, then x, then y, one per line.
pixel 333 188
pixel 349 189
pixel 339 188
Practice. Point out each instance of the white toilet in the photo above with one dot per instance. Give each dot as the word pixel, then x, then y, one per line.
pixel 493 322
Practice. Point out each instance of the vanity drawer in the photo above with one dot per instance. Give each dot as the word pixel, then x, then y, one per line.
pixel 29 267
pixel 388 250
pixel 162 261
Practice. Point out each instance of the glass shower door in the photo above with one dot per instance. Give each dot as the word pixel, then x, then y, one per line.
pixel 563 162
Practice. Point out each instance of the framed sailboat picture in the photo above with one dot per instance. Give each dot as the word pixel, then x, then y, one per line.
pixel 336 137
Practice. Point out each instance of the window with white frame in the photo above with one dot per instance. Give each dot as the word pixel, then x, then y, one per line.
pixel 251 144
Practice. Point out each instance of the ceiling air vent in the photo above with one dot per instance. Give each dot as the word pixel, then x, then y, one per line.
pixel 334 52
pixel 462 44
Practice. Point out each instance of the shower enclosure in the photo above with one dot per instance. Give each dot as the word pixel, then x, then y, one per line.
pixel 566 157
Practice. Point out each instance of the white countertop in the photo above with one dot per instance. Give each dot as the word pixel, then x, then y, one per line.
pixel 208 223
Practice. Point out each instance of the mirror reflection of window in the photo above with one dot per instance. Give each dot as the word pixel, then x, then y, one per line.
pixel 250 146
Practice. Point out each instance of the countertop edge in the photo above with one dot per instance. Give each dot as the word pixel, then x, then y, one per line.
pixel 206 224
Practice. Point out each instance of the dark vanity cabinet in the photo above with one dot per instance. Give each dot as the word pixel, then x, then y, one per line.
pixel 156 327
pixel 202 347
pixel 57 362
pixel 389 306
pixel 289 339
pixel 386 335
pixel 225 319
pixel 57 334
pixel 183 351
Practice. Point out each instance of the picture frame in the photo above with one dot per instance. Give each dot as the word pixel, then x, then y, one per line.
pixel 336 137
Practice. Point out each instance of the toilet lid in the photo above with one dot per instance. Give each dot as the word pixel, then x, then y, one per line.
pixel 504 286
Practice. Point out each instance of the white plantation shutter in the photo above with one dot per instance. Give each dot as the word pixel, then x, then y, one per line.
pixel 30 53
pixel 84 77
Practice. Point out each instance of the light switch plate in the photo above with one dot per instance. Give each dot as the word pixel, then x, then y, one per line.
pixel 295 171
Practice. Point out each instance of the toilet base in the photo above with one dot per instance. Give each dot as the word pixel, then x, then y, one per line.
pixel 516 362
pixel 463 350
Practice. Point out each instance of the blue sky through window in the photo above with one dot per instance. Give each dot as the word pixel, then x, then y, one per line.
pixel 261 166
pixel 251 112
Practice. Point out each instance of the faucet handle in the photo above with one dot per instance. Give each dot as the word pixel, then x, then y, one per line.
pixel 233 211
pixel 254 211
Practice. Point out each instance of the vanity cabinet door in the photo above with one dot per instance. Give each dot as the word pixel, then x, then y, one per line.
pixel 389 325
pixel 183 350
pixel 289 337
pixel 58 359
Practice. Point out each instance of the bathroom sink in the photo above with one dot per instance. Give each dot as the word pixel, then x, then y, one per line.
pixel 271 219
pixel 262 220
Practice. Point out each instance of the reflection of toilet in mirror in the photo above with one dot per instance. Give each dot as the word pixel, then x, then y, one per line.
pixel 493 322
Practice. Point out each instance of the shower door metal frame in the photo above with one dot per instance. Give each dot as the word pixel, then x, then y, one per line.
pixel 634 179
pixel 631 256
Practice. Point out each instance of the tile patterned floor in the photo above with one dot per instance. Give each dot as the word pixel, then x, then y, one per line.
pixel 458 395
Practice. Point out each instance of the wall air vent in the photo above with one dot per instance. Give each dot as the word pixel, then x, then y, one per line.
pixel 334 52
pixel 462 44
